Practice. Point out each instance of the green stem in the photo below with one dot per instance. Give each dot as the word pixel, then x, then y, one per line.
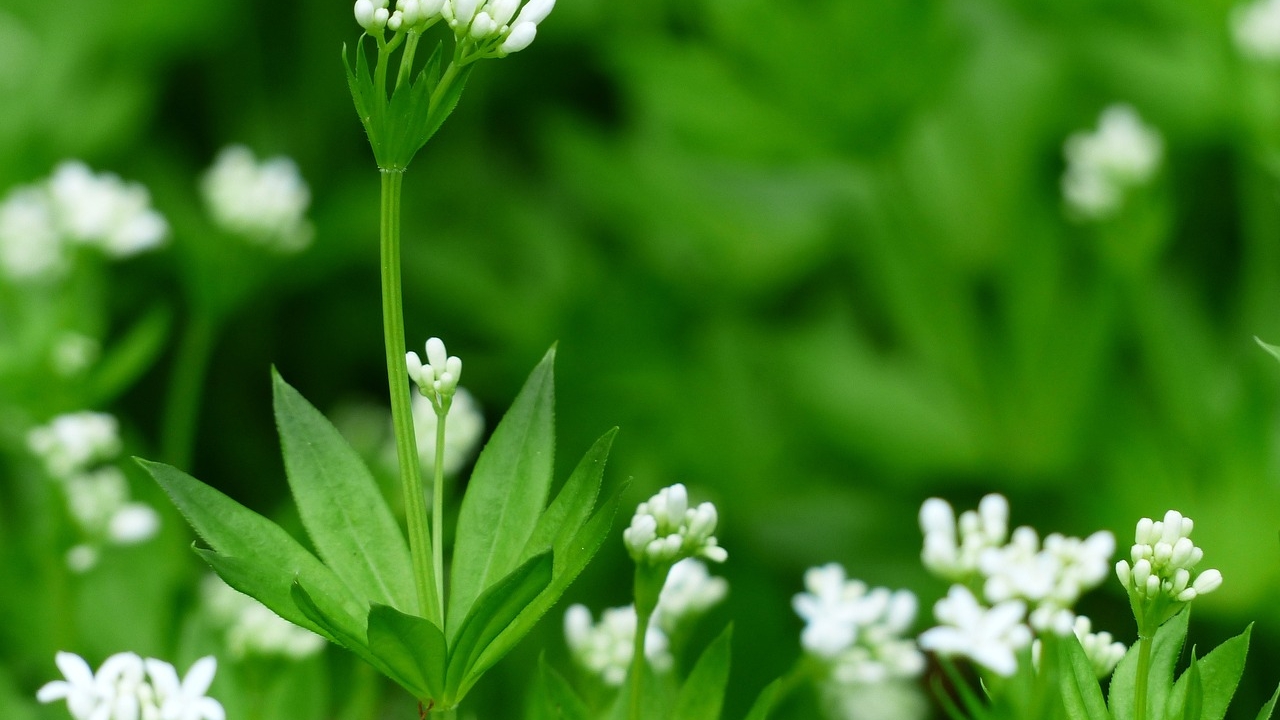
pixel 437 510
pixel 444 714
pixel 1144 669
pixel 430 605
pixel 638 660
pixel 446 80
pixel 406 60
pixel 186 386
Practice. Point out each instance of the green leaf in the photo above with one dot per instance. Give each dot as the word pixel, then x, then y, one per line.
pixel 265 583
pixel 565 570
pixel 973 705
pixel 413 646
pixel 130 356
pixel 340 503
pixel 552 697
pixel 506 494
pixel 1194 691
pixel 1265 712
pixel 702 694
pixel 1166 647
pixel 1081 693
pixel 572 505
pixel 490 615
pixel 1273 349
pixel 236 531
pixel 445 104
pixel 1219 675
pixel 368 100
pixel 765 701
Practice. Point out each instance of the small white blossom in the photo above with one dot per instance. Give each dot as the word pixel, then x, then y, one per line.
pixel 1103 165
pixel 495 24
pixel 73 353
pixel 463 430
pixel 1255 27
pixel 372 15
pixel 991 637
pixel 127 687
pixel 957 559
pixel 265 202
pixel 30 244
pixel 251 628
pixel 1103 651
pixel 606 648
pixel 1162 560
pixel 689 590
pixel 1052 578
pixel 665 529
pixel 104 211
pixel 185 699
pixel 74 442
pixel 438 378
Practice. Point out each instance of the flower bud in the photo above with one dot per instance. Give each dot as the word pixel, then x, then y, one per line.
pixel 364 12
pixel 521 37
pixel 534 11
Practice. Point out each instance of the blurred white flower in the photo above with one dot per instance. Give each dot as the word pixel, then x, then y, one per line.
pixel 1103 651
pixel 890 700
pixel 73 353
pixel 606 648
pixel 1051 578
pixel 118 691
pixel 957 559
pixel 496 25
pixel 265 202
pixel 665 529
pixel 30 244
pixel 991 637
pixel 1255 27
pixel 104 211
pixel 463 430
pixel 689 590
pixel 1102 165
pixel 251 628
pixel 74 442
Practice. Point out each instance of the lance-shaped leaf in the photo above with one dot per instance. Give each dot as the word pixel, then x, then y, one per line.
pixel 573 504
pixel 238 532
pixel 414 647
pixel 506 494
pixel 1081 693
pixel 1219 675
pixel 553 698
pixel 490 615
pixel 1265 712
pixel 703 692
pixel 765 701
pixel 265 583
pixel 340 503
pixel 1166 647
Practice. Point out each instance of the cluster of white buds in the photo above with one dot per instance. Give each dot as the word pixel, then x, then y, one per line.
pixel 605 649
pixel 1162 560
pixel 265 202
pixel 75 449
pixel 374 15
pixel 1103 165
pixel 38 223
pixel 253 629
pixel 665 529
pixel 690 590
pixel 464 427
pixel 1256 30
pixel 858 630
pixel 1103 651
pixel 438 379
pixel 127 687
pixel 989 636
pixel 496 23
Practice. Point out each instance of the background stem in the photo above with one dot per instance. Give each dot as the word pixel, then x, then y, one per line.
pixel 186 386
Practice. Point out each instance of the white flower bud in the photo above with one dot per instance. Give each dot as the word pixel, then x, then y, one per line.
pixel 534 11
pixel 503 10
pixel 521 36
pixel 395 21
pixel 380 18
pixel 482 26
pixel 364 11
pixel 1207 582
pixel 463 11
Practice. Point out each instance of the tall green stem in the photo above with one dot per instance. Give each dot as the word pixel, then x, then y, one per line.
pixel 430 602
pixel 437 509
pixel 638 661
pixel 1144 669
pixel 186 385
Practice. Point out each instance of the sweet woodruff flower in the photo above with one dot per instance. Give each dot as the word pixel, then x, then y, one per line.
pixel 1162 562
pixel 463 429
pixel 74 442
pixel 956 558
pixel 1103 651
pixel 30 244
pixel 1103 165
pixel 437 379
pixel 265 202
pixel 665 529
pixel 606 648
pixel 496 23
pixel 1255 27
pixel 690 590
pixel 127 687
pixel 251 628
pixel 991 637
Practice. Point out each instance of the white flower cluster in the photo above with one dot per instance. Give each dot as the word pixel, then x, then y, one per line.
pixel 1103 651
pixel 1050 577
pixel 251 628
pixel 127 687
pixel 74 448
pixel 496 22
pixel 1256 30
pixel 1163 558
pixel 891 700
pixel 665 529
pixel 265 202
pixel 438 379
pixel 1103 165
pixel 39 224
pixel 464 427
pixel 605 649
pixel 856 629
pixel 990 637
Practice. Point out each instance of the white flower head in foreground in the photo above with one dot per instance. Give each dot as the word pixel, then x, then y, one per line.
pixel 1052 578
pixel 856 629
pixel 437 380
pixel 104 211
pixel 953 558
pixel 74 442
pixel 991 637
pixel 605 649
pixel 665 529
pixel 1103 165
pixel 464 427
pixel 30 245
pixel 128 687
pixel 1162 561
pixel 1103 651
pixel 1255 27
pixel 251 628
pixel 495 25
pixel 690 590
pixel 889 700
pixel 265 202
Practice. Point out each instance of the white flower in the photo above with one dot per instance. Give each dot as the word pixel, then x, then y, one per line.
pixel 265 202
pixel 438 378
pixel 78 689
pixel 1256 30
pixel 73 353
pixel 1104 164
pixel 689 590
pixel 990 637
pixel 104 211
pixel 118 691
pixel 1163 558
pixel 495 24
pixel 463 429
pixel 1103 652
pixel 957 560
pixel 74 442
pixel 99 502
pixel 30 245
pixel 251 628
pixel 665 529
pixel 606 648
pixel 1051 578
pixel 185 699
pixel 889 700
pixel 133 523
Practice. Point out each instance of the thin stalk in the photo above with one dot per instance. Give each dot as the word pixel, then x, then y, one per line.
pixel 406 60
pixel 1144 669
pixel 437 510
pixel 186 387
pixel 430 604
pixel 638 661
pixel 444 714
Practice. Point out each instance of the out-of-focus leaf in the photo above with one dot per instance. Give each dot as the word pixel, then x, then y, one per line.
pixel 1081 693
pixel 552 698
pixel 703 692
pixel 765 701
pixel 130 356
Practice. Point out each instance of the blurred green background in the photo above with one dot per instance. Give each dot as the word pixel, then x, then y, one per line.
pixel 811 257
